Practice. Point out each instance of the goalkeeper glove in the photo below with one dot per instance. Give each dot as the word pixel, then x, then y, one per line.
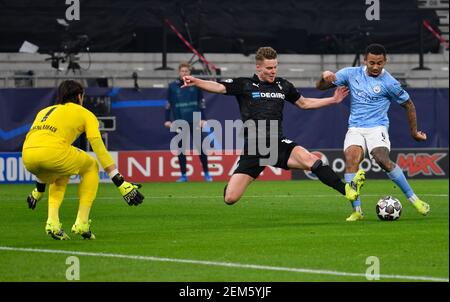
pixel 130 193
pixel 33 198
pixel 128 190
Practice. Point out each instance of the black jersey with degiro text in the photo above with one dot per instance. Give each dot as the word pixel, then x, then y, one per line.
pixel 261 100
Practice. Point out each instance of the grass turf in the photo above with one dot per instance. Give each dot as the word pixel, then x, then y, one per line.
pixel 291 224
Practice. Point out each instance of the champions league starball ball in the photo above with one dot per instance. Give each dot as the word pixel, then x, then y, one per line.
pixel 388 208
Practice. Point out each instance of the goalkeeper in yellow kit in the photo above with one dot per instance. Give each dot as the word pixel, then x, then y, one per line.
pixel 48 154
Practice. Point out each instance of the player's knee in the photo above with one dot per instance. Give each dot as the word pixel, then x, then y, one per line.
pixel 92 165
pixel 229 197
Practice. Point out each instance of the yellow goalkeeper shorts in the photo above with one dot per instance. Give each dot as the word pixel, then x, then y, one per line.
pixel 49 163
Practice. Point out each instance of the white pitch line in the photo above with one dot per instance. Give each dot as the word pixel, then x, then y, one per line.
pixel 223 264
pixel 249 196
pixel 275 196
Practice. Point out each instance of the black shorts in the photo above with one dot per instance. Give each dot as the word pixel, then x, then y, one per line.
pixel 250 164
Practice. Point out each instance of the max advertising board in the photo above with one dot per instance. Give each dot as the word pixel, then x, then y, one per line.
pixel 415 163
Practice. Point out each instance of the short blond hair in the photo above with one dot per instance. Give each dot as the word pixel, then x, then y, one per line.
pixel 184 64
pixel 265 53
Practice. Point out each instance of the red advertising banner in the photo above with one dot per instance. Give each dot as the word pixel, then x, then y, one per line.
pixel 147 166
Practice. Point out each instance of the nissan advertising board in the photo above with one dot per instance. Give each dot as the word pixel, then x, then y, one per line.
pixel 148 166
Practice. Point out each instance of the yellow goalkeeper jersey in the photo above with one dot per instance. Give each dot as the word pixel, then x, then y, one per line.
pixel 57 127
pixel 60 125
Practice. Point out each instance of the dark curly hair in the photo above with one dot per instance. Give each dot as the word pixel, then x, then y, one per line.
pixel 375 49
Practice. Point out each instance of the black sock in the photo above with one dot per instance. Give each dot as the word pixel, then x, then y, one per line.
pixel 328 176
pixel 40 187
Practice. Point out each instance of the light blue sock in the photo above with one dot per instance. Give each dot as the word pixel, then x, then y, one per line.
pixel 399 179
pixel 356 204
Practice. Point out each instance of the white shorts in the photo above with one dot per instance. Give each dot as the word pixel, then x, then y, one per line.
pixel 367 138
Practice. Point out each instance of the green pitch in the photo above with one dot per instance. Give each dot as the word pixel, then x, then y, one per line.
pixel 279 231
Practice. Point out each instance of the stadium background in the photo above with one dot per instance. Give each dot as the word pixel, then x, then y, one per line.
pixel 126 52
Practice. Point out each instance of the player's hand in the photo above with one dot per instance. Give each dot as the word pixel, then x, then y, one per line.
pixel 167 124
pixel 33 198
pixel 130 193
pixel 329 76
pixel 419 136
pixel 340 93
pixel 188 81
pixel 202 123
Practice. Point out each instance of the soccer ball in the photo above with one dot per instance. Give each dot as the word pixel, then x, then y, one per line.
pixel 388 208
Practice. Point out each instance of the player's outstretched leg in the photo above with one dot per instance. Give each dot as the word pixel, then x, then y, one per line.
pixel 398 177
pixel 300 158
pixel 236 187
pixel 395 173
pixel 326 175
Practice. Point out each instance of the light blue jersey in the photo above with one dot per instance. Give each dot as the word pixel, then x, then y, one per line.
pixel 370 96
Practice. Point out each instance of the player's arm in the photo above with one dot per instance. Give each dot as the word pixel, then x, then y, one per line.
pixel 314 103
pixel 326 80
pixel 128 190
pixel 412 121
pixel 209 86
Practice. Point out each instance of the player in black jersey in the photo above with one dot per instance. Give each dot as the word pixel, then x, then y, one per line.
pixel 261 101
